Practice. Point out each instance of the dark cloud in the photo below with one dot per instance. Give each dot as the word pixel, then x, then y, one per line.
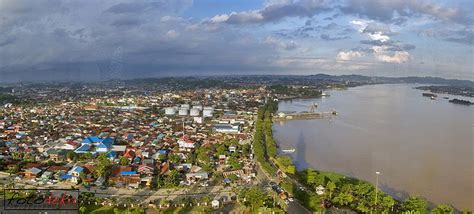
pixel 463 37
pixel 376 42
pixel 397 11
pixel 274 12
pixel 329 38
pixel 7 41
pixel 128 22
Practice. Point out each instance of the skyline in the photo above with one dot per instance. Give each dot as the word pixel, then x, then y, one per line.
pixel 91 40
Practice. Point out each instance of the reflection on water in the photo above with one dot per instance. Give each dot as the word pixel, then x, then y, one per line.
pixel 421 146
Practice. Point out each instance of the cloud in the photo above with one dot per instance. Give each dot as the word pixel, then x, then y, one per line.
pixel 382 54
pixel 172 34
pixel 349 55
pixel 398 11
pixel 291 45
pixel 90 41
pixel 329 38
pixel 465 36
pixel 273 11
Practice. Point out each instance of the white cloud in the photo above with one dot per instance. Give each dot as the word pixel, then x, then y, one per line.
pixel 280 44
pixel 378 36
pixel 349 55
pixel 381 53
pixel 172 34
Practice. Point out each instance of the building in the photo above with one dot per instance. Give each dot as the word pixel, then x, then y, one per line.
pixel 227 128
pixel 94 144
pixel 170 111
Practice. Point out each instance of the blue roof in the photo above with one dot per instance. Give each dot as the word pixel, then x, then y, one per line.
pixel 91 139
pixel 66 176
pixel 83 148
pixel 107 142
pixel 227 180
pixel 111 154
pixel 128 173
pixel 162 152
pixel 77 169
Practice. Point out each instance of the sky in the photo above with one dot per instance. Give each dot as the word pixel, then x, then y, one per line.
pixel 118 39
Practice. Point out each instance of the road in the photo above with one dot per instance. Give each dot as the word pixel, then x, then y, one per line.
pixel 293 207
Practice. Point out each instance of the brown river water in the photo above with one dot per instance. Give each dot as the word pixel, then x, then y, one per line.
pixel 421 146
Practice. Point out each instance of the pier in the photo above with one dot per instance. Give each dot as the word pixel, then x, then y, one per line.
pixel 282 116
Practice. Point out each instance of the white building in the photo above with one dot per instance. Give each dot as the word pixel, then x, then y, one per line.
pixel 207 111
pixel 170 111
pixel 183 111
pixel 194 112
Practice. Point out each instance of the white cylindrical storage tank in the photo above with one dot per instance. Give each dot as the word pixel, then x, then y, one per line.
pixel 183 112
pixel 198 107
pixel 186 106
pixel 170 111
pixel 194 112
pixel 207 111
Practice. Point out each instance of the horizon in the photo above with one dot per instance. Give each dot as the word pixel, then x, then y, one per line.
pixel 82 41
pixel 224 76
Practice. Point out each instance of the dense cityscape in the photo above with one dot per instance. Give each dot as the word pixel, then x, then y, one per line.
pixel 150 145
pixel 236 106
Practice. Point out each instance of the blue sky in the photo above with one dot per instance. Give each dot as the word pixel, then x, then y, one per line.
pixel 108 39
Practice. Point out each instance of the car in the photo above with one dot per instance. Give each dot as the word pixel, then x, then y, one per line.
pixel 291 199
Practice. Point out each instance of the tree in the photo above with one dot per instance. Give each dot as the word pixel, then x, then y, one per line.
pixel 123 161
pixel 12 169
pixel 252 197
pixel 414 204
pixel 71 155
pixel 174 158
pixel 387 202
pixel 442 209
pixel 221 149
pixel 173 178
pixel 103 164
pixel 291 169
pixel 202 155
pixel 82 209
pixel 343 199
pixel 157 182
pixel 331 186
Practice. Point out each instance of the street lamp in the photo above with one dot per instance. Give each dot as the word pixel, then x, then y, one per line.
pixel 376 188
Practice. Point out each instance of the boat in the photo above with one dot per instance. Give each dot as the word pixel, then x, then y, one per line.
pixel 324 94
pixel 288 150
pixel 433 98
pixel 429 95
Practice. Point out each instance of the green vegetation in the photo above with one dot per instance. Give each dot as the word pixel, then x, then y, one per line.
pixel 258 201
pixel 6 98
pixel 109 210
pixel 299 91
pixel 414 204
pixel 263 144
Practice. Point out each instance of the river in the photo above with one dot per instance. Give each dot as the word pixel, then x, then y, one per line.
pixel 421 146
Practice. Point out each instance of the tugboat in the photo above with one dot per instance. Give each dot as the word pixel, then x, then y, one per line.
pixel 288 150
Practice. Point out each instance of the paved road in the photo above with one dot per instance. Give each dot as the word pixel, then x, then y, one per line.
pixel 296 208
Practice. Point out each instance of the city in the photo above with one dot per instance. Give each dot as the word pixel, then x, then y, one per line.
pixel 236 106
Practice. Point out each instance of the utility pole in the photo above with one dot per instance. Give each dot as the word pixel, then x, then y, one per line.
pixel 376 188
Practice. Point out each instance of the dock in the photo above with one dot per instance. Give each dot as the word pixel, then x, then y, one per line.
pixel 281 116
